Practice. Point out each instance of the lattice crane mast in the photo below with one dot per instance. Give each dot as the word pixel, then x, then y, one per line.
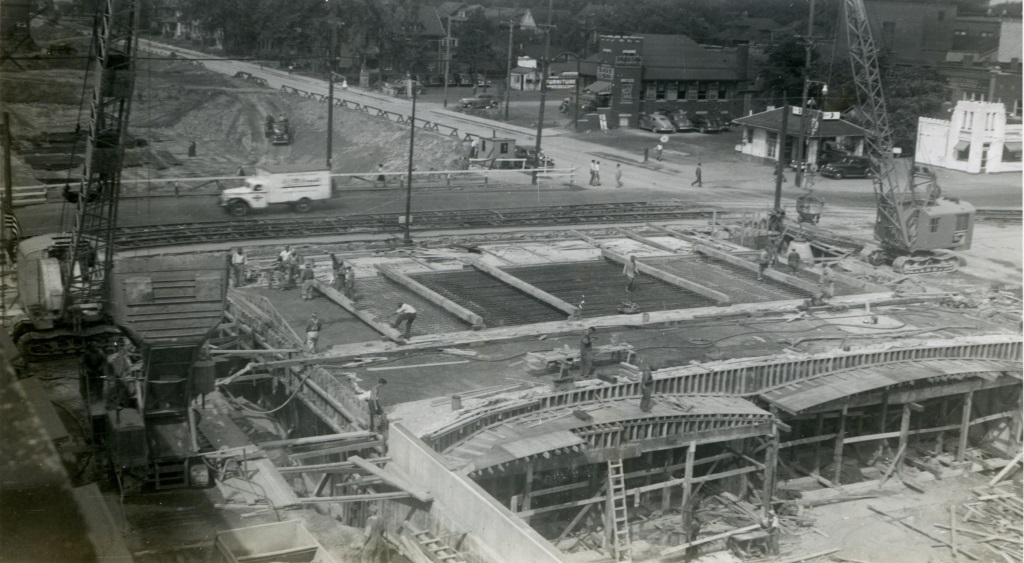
pixel 917 228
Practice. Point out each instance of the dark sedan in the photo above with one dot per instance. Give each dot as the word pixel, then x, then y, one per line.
pixel 848 167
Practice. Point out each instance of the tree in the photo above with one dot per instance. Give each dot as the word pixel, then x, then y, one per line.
pixel 477 36
pixel 783 71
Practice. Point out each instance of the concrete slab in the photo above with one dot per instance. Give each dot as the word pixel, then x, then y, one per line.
pixel 339 327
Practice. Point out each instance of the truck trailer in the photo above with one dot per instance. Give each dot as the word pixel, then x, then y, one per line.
pixel 271 185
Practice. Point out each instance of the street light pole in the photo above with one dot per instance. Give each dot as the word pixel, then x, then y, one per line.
pixel 447 58
pixel 330 89
pixel 508 79
pixel 780 166
pixel 408 186
pixel 543 87
pixel 576 101
pixel 809 45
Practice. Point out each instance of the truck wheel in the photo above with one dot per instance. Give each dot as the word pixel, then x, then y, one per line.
pixel 303 205
pixel 238 208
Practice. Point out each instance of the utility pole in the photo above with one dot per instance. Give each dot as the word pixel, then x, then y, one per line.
pixel 780 167
pixel 576 101
pixel 543 87
pixel 408 186
pixel 447 58
pixel 330 91
pixel 809 46
pixel 508 79
pixel 6 238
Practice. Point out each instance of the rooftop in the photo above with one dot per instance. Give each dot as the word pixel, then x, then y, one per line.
pixel 772 121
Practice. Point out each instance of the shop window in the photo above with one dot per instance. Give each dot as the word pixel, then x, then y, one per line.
pixel 650 91
pixel 963 151
pixel 672 92
pixel 773 145
pixel 1011 152
pixel 627 91
pixel 659 90
pixel 713 91
pixel 722 91
pixel 933 225
pixel 702 90
pixel 682 90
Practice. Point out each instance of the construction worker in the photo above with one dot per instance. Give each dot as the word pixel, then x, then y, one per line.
pixel 764 259
pixel 338 272
pixel 381 178
pixel 307 278
pixel 658 150
pixel 597 172
pixel 587 352
pixel 618 175
pixel 593 171
pixel 630 271
pixel 238 263
pixel 192 148
pixel 773 527
pixel 313 328
pixel 793 259
pixel 646 388
pixel 90 374
pixel 350 282
pixel 827 282
pixel 697 182
pixel 405 313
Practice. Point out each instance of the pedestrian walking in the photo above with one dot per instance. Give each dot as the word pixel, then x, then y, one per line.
pixel 593 171
pixel 764 259
pixel 241 172
pixel 350 282
pixel 646 388
pixel 793 259
pixel 645 154
pixel 307 278
pixel 287 259
pixel 630 271
pixel 381 179
pixel 406 313
pixel 313 327
pixel 697 182
pixel 827 282
pixel 191 148
pixel 658 150
pixel 618 175
pixel 587 353
pixel 238 263
pixel 474 147
pixel 344 84
pixel 597 173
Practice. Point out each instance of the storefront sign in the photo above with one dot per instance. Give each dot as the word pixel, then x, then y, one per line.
pixel 628 60
pixel 605 72
pixel 961 82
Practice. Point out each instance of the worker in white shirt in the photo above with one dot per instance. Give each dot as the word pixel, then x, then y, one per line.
pixel 405 313
pixel 238 262
pixel 630 271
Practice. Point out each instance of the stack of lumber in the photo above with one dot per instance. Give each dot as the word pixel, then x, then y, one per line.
pixel 993 522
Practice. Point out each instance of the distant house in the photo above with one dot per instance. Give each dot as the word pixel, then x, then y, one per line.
pixel 976 139
pixel 752 31
pixel 525 76
pixel 762 134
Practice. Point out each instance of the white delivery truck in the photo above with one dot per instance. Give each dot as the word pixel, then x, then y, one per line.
pixel 272 185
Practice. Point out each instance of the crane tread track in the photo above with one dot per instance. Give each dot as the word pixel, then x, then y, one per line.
pixel 154 236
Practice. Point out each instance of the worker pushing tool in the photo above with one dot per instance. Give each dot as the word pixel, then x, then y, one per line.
pixel 307 278
pixel 313 327
pixel 587 353
pixel 630 271
pixel 646 387
pixel 406 313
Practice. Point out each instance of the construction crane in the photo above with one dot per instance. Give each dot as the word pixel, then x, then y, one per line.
pixel 917 229
pixel 158 311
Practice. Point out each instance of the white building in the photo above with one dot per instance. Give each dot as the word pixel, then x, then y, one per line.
pixel 976 139
pixel 525 76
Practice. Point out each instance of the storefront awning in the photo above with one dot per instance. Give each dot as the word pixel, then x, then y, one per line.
pixel 600 87
pixel 962 145
pixel 1012 147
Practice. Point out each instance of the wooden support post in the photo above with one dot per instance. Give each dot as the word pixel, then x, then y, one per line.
pixel 528 489
pixel 464 314
pixel 885 411
pixel 904 435
pixel 820 429
pixel 943 413
pixel 965 426
pixel 837 454
pixel 1016 425
pixel 771 459
pixel 717 296
pixel 532 291
pixel 666 493
pixel 684 507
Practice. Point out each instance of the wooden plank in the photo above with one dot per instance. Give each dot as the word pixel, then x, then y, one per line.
pixel 965 423
pixel 336 450
pixel 644 240
pixel 717 296
pixel 371 321
pixel 344 436
pixel 922 532
pixel 532 291
pixel 837 453
pixel 716 537
pixel 391 479
pixel 467 316
pixel 272 484
pixel 336 466
pixel 999 476
pixel 354 498
pixel 771 273
pixel 393 368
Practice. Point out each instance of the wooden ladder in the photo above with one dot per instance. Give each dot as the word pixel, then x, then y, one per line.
pixel 618 519
pixel 438 551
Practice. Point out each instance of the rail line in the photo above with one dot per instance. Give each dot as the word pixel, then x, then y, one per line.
pixel 999 215
pixel 293 227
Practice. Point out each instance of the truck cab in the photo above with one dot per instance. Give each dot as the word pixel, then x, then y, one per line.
pixel 275 185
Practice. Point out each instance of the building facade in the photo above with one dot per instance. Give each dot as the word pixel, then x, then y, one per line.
pixel 640 74
pixel 762 138
pixel 976 139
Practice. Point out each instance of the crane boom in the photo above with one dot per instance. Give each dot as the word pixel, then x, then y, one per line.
pixel 88 262
pixel 913 224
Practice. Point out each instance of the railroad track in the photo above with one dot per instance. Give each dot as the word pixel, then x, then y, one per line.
pixel 294 227
pixel 999 215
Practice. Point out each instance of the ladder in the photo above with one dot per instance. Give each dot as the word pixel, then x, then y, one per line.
pixel 618 520
pixel 437 550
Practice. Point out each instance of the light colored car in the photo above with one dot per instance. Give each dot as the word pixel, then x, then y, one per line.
pixel 657 123
pixel 479 101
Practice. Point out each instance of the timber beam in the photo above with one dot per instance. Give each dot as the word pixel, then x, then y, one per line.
pixel 464 314
pixel 771 273
pixel 336 296
pixel 531 290
pixel 718 296
pixel 645 240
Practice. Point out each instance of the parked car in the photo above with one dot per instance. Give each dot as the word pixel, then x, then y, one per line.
pixel 482 81
pixel 530 154
pixel 657 123
pixel 479 101
pixel 848 167
pixel 706 123
pixel 465 80
pixel 436 80
pixel 680 120
pixel 828 156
